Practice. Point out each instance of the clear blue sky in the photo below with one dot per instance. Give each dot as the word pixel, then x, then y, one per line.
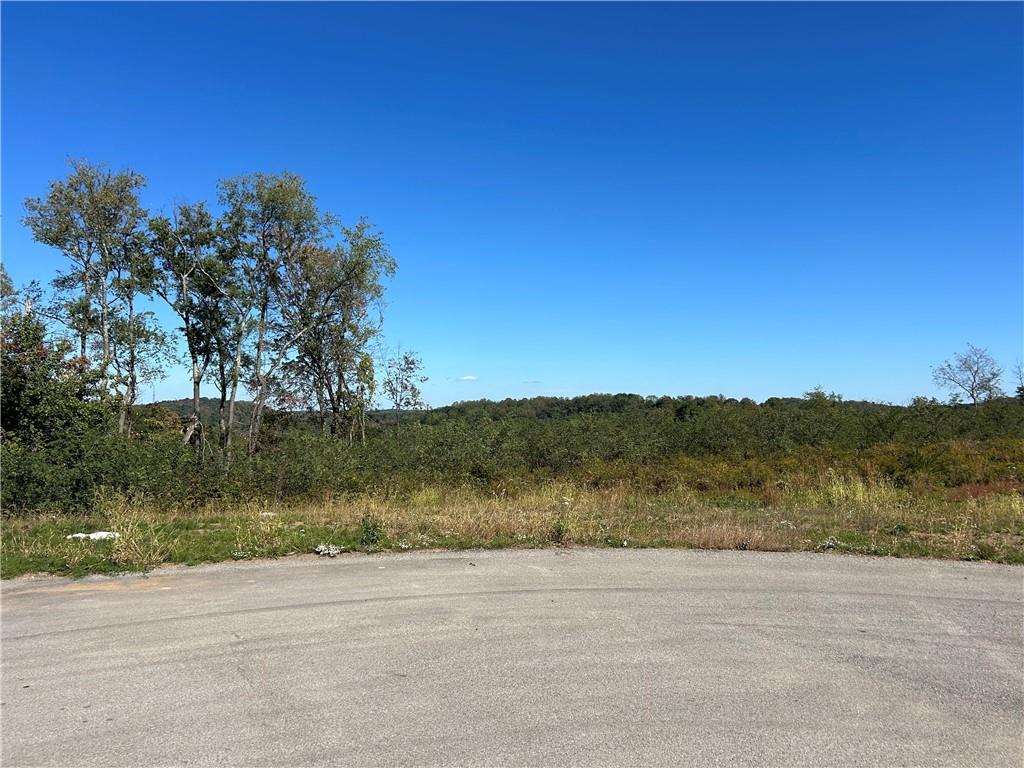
pixel 740 199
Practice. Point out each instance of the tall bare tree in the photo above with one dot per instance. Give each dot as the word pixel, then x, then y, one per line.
pixel 973 373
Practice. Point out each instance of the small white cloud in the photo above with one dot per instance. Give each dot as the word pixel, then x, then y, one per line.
pixel 468 378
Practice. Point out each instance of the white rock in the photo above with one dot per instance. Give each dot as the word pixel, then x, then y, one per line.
pixel 94 536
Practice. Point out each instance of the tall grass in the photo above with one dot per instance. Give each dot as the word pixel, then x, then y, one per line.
pixel 137 547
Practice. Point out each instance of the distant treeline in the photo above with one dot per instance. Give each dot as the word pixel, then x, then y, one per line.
pixel 712 425
pixel 720 425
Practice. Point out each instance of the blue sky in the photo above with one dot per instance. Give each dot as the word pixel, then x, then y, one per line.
pixel 663 199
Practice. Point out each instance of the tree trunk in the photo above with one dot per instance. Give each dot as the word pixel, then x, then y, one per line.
pixel 257 420
pixel 332 401
pixel 105 334
pixel 124 422
pixel 196 422
pixel 235 374
pixel 131 385
pixel 261 387
pixel 321 409
pixel 83 333
pixel 222 379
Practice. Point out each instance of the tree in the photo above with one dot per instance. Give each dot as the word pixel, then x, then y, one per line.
pixel 95 219
pixel 365 391
pixel 45 395
pixel 1018 373
pixel 183 256
pixel 65 219
pixel 973 373
pixel 8 294
pixel 331 299
pixel 401 383
pixel 234 308
pixel 270 221
pixel 139 347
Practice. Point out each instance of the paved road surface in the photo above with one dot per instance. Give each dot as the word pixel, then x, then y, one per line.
pixel 557 657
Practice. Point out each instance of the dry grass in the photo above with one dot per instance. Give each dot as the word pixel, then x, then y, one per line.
pixel 837 513
pixel 137 547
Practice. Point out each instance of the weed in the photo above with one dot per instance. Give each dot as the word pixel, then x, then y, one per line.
pixel 559 532
pixel 371 530
pixel 258 535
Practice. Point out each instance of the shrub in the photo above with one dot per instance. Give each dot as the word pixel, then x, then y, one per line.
pixel 371 530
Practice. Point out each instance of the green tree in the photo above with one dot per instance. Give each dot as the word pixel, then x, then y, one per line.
pixel 332 298
pixel 46 395
pixel 270 221
pixel 402 378
pixel 139 347
pixel 184 256
pixel 365 391
pixel 94 218
pixel 8 294
pixel 65 219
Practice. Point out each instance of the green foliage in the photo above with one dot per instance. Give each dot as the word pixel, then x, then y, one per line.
pixel 371 531
pixel 46 395
pixel 721 447
pixel 93 217
pixel 8 294
pixel 402 378
pixel 559 532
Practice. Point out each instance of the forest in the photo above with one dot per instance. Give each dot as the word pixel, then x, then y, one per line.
pixel 298 411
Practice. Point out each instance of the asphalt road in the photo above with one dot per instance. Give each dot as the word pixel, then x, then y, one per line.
pixel 556 657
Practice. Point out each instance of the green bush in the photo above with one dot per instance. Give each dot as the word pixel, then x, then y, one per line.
pixel 371 531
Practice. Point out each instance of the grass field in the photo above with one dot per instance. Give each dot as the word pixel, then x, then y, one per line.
pixel 838 514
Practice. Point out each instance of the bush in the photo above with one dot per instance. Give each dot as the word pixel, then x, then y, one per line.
pixel 706 445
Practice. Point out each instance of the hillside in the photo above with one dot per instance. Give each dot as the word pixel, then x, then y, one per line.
pixel 207 408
